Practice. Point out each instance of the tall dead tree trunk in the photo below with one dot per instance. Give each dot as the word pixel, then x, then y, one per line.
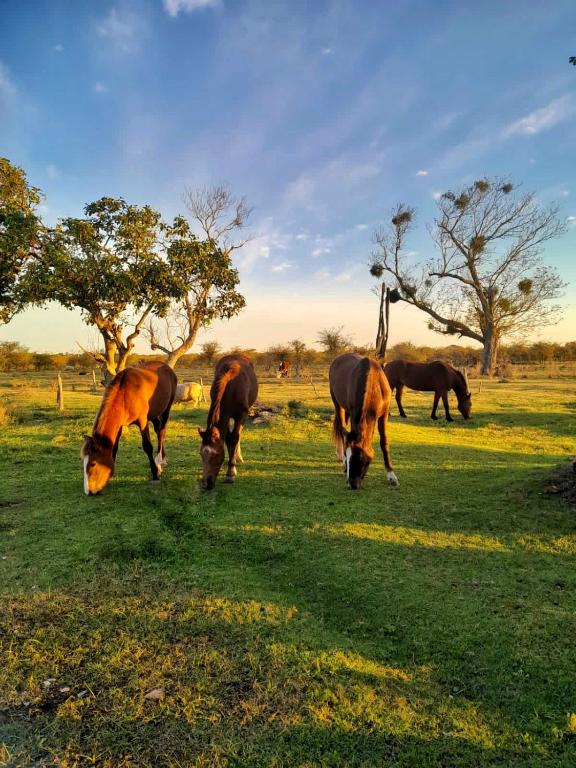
pixel 383 322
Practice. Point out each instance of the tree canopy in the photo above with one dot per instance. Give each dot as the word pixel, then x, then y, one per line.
pixel 487 281
pixel 22 237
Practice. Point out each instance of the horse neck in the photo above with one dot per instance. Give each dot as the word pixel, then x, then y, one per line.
pixel 109 419
pixel 458 384
pixel 360 422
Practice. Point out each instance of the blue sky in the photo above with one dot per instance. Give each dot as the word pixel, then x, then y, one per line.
pixel 324 114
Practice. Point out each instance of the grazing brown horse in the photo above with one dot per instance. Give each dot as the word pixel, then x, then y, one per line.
pixel 361 394
pixel 437 377
pixel 233 391
pixel 134 396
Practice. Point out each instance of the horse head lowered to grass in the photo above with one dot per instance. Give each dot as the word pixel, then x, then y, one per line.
pixel 361 396
pixel 134 396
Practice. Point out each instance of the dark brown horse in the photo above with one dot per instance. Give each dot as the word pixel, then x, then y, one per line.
pixel 361 395
pixel 134 396
pixel 233 391
pixel 437 377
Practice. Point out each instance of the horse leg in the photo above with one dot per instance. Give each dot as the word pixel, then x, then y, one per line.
pixel 116 444
pixel 160 428
pixel 399 390
pixel 232 442
pixel 385 446
pixel 435 406
pixel 446 406
pixel 149 451
pixel 338 428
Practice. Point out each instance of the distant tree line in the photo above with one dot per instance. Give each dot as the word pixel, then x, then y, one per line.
pixel 15 357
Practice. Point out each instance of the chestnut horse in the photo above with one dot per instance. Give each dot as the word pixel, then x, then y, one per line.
pixel 233 391
pixel 437 377
pixel 361 394
pixel 134 396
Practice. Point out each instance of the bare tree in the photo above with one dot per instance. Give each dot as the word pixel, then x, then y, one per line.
pixel 488 281
pixel 221 218
pixel 334 340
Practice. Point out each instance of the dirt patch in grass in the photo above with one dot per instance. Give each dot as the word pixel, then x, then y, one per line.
pixel 562 482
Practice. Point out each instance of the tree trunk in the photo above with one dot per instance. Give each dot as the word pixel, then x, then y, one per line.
pixel 490 353
pixel 109 367
pixel 187 344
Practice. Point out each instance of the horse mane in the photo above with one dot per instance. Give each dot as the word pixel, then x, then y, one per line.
pixel 108 400
pixel 229 371
pixel 361 386
pixel 460 375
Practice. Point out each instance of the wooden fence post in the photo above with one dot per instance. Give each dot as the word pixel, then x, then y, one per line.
pixel 59 393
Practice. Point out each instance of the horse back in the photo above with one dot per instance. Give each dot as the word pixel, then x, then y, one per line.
pixel 355 380
pixel 235 385
pixel 424 377
pixel 148 390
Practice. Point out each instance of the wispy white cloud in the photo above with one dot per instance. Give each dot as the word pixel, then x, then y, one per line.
pixel 7 87
pixel 301 236
pixel 282 267
pixel 571 220
pixel 100 88
pixel 361 227
pixel 557 111
pixel 52 171
pixel 119 27
pixel 422 173
pixel 327 51
pixel 343 277
pixel 59 48
pixel 564 192
pixel 174 7
pixel 436 195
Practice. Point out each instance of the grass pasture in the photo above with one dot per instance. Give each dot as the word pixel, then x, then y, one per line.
pixel 284 620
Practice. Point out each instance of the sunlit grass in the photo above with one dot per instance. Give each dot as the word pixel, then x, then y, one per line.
pixel 286 620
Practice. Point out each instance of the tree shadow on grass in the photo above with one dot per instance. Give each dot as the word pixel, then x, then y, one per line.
pixel 241 685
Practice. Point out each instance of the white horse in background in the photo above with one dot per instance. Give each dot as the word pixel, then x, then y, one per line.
pixel 189 392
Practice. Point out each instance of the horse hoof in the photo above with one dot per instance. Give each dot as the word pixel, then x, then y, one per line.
pixel 230 478
pixel 449 418
pixel 393 480
pixel 154 479
pixel 435 418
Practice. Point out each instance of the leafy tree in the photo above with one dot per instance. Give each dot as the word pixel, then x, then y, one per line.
pixel 118 266
pixel 15 357
pixel 211 277
pixel 299 351
pixel 210 350
pixel 488 281
pixel 21 237
pixel 334 341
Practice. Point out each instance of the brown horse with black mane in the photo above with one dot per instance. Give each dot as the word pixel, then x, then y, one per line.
pixel 437 377
pixel 134 396
pixel 361 395
pixel 233 391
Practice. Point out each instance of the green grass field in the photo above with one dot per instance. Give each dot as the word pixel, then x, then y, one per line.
pixel 287 620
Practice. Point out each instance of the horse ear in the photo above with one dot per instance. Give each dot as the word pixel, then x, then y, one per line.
pixel 214 435
pixel 201 432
